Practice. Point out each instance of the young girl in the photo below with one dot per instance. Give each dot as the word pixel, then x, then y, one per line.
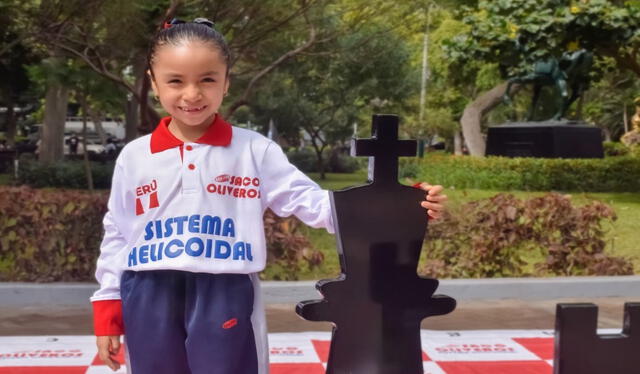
pixel 184 237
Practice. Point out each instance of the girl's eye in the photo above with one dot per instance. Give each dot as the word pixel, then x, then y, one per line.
pixel 209 80
pixel 173 81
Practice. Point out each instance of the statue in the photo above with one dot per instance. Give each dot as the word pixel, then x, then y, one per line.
pixel 632 138
pixel 555 137
pixel 570 72
pixel 635 120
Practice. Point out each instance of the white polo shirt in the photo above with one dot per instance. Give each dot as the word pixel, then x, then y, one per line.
pixel 197 207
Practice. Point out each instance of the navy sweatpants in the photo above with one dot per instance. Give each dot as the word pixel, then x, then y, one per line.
pixel 177 322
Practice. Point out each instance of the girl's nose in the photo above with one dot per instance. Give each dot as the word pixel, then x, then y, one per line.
pixel 191 93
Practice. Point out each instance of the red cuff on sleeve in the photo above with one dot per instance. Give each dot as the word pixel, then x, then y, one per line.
pixel 107 318
pixel 417 185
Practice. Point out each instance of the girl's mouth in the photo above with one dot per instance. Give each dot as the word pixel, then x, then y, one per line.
pixel 192 109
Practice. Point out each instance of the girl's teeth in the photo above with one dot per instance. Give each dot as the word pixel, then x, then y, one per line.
pixel 192 109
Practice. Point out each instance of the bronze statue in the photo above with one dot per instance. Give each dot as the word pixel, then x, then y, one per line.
pixel 635 120
pixel 632 138
pixel 570 72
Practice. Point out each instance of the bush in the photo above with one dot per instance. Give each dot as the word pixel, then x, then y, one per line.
pixel 341 162
pixel 612 174
pixel 64 174
pixel 304 159
pixel 49 235
pixel 492 238
pixel 408 169
pixel 336 161
pixel 288 251
pixel 55 235
pixel 612 149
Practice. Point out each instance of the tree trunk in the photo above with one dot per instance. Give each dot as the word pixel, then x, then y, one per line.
pixel 131 119
pixel 11 124
pixel 132 112
pixel 320 164
pixel 96 118
pixel 457 143
pixel 471 120
pixel 319 156
pixel 149 118
pixel 607 134
pixel 55 116
pixel 85 153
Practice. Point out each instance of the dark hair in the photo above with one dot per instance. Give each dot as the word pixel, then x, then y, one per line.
pixel 176 32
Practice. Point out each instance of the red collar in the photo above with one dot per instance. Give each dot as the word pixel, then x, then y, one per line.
pixel 218 133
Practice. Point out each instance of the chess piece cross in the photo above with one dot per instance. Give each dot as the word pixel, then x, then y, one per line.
pixel 384 149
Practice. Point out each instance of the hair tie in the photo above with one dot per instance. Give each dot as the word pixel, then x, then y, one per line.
pixel 204 21
pixel 173 22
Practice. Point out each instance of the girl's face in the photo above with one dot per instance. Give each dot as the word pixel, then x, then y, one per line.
pixel 190 82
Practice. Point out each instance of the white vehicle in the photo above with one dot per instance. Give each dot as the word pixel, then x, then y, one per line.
pixel 93 144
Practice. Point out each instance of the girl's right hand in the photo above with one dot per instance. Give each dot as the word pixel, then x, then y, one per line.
pixel 108 348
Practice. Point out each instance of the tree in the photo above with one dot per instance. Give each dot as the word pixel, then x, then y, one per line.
pixel 14 57
pixel 55 75
pixel 117 50
pixel 325 96
pixel 514 34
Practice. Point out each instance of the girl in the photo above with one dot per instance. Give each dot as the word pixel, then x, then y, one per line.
pixel 184 236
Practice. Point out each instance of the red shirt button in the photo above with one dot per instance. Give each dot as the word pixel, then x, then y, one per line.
pixel 189 148
pixel 192 166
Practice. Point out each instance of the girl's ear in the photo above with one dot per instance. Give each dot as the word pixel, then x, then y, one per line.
pixel 153 83
pixel 226 85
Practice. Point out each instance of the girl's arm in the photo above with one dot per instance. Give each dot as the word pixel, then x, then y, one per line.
pixel 287 190
pixel 106 303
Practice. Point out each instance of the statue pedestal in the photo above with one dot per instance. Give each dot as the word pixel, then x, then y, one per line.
pixel 548 139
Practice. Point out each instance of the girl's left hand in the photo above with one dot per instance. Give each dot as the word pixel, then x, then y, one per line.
pixel 434 200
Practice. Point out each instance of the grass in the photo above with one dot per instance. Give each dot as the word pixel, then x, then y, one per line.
pixel 5 179
pixel 336 181
pixel 623 237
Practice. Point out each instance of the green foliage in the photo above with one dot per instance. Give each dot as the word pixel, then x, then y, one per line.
pixel 515 33
pixel 491 237
pixel 612 174
pixel 612 149
pixel 49 235
pixel 54 235
pixel 64 174
pixel 288 251
pixel 306 160
pixel 341 162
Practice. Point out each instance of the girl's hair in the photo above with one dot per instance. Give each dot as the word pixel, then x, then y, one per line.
pixel 177 32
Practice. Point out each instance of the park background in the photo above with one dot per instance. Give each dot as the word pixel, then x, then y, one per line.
pixel 310 74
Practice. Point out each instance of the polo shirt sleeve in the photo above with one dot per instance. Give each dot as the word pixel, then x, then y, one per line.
pixel 286 191
pixel 107 308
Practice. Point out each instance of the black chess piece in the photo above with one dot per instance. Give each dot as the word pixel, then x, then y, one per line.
pixel 580 350
pixel 378 302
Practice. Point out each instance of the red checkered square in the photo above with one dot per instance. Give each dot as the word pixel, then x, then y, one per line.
pixel 492 367
pixel 322 349
pixel 542 347
pixel 44 370
pixel 296 369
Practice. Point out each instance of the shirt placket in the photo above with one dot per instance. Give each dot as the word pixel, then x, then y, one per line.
pixel 190 169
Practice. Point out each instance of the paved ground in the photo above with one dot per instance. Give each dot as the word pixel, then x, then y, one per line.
pixel 470 315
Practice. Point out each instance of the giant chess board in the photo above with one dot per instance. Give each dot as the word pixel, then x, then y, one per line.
pixel 444 352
